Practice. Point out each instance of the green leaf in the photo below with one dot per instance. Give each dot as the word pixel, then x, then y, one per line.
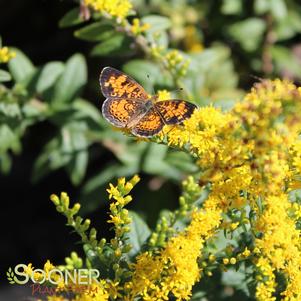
pixel 248 33
pixel 181 161
pixel 51 158
pixel 78 166
pixel 93 193
pixel 157 31
pixel 95 32
pixel 67 149
pixel 34 109
pixel 48 76
pixel 76 143
pixel 20 67
pixel 9 139
pixel 285 60
pixel 237 279
pixel 154 163
pixel 71 81
pixel 231 7
pixel 10 110
pixel 139 69
pixel 4 76
pixel 132 154
pixel 157 23
pixel 71 18
pixel 86 109
pixel 139 233
pixel 5 163
pixel 103 263
pixel 261 6
pixel 116 44
pixel 278 9
pixel 289 26
pixel 197 296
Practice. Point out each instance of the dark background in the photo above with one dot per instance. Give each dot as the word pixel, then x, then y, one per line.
pixel 32 230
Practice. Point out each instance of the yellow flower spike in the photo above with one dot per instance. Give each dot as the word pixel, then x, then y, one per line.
pixel 65 200
pixel 55 199
pixel 115 8
pixel 121 182
pixel 48 266
pixel 75 208
pixel 179 257
pixel 134 180
pixel 29 269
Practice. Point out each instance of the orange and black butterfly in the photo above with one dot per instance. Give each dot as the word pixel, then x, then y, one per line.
pixel 128 105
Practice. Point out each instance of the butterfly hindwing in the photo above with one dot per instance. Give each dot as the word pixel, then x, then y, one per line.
pixel 122 111
pixel 116 84
pixel 149 125
pixel 174 111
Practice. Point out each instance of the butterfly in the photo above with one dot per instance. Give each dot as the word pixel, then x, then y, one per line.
pixel 129 106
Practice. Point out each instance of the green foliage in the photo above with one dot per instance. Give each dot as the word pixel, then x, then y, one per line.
pixel 219 47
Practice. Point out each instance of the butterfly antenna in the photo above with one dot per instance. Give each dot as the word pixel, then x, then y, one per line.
pixel 177 90
pixel 256 77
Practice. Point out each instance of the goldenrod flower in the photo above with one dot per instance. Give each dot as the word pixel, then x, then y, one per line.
pixel 6 54
pixel 247 160
pixel 138 28
pixel 114 8
pixel 163 95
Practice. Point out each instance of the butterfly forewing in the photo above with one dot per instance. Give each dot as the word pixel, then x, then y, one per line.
pixel 174 111
pixel 116 84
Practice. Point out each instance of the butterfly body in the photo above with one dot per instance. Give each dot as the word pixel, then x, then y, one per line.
pixel 128 105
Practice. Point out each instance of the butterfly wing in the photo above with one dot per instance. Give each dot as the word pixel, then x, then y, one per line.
pixel 149 125
pixel 174 111
pixel 122 112
pixel 116 84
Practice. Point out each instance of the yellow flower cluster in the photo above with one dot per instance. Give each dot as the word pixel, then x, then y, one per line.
pixel 38 276
pixel 176 62
pixel 114 8
pixel 249 161
pixel 119 216
pixel 6 55
pixel 250 156
pixel 138 28
pixel 175 269
pixel 266 280
pixel 163 95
